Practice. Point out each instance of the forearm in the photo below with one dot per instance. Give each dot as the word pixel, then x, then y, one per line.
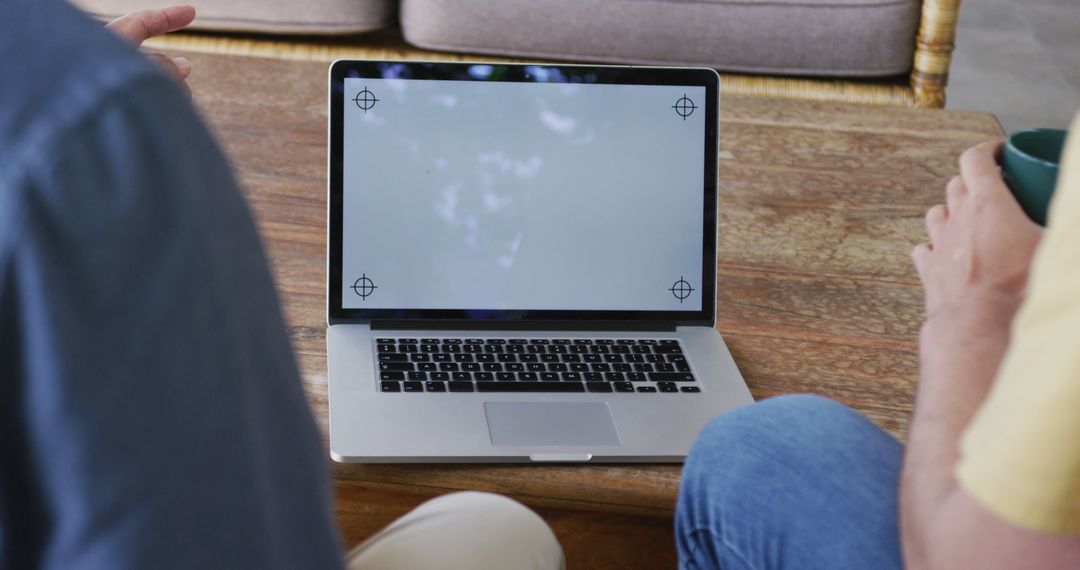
pixel 959 352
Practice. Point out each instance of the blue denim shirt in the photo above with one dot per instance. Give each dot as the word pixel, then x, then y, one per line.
pixel 151 414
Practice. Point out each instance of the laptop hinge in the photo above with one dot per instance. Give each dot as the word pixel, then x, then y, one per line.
pixel 523 325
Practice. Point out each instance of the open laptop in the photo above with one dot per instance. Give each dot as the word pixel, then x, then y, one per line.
pixel 522 263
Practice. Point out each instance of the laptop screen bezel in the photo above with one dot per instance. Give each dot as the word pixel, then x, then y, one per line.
pixel 624 75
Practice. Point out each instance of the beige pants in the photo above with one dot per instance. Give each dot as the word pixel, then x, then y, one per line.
pixel 462 531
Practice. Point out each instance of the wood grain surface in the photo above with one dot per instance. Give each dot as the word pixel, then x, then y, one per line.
pixel 820 204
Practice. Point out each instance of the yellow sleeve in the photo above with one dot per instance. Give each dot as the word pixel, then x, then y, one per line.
pixel 1020 456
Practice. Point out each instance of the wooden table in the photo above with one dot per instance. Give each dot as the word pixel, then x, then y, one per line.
pixel 820 204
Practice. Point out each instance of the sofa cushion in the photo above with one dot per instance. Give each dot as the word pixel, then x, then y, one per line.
pixel 792 37
pixel 270 16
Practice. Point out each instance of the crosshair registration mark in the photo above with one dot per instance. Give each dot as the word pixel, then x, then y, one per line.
pixel 365 100
pixel 681 289
pixel 684 107
pixel 364 287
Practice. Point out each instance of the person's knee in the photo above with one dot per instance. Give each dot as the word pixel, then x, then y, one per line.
pixel 525 536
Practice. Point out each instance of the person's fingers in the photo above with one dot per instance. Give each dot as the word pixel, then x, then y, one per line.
pixel 919 256
pixel 168 63
pixel 979 167
pixel 138 27
pixel 183 66
pixel 955 191
pixel 935 222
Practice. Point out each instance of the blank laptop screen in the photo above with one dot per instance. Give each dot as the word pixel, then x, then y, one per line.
pixel 507 196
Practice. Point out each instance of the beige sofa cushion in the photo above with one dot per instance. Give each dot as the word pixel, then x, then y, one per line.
pixel 791 37
pixel 270 16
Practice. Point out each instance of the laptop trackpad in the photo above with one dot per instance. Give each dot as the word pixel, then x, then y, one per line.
pixel 550 423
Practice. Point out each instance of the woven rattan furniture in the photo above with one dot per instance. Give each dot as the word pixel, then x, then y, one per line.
pixel 923 87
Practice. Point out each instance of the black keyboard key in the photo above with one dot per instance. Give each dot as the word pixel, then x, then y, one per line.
pixel 408 341
pixel 414 386
pixel 527 377
pixel 429 341
pixel 462 377
pixel 444 357
pixel 641 349
pixel 506 358
pixel 515 349
pixel 505 377
pixel 598 387
pixel 643 367
pixel 393 358
pixel 561 341
pixel 614 377
pixel 485 376
pixel 582 341
pixel 461 386
pixel 449 366
pixel 571 377
pixel 613 358
pixel 622 367
pixel 429 348
pixel 536 367
pixel 474 341
pixel 470 366
pixel 671 377
pixel 592 358
pixel 529 387
pixel 528 358
pixel 557 367
pixel 485 358
pixel 693 389
pixel 668 387
pixel 625 341
pixel 682 367
pixel 495 341
pixel 605 341
pixel 579 367
pixel 463 358
pixel 647 341
pixel 440 376
pixel 634 358
pixel 570 358
pixel 391 376
pixel 390 387
pixel 492 367
pixel 407 348
pixel 420 357
pixel 599 349
pixel 549 358
pixel 620 349
pixel 493 348
pixel 451 341
pixel 418 376
pixel 623 387
pixel 668 342
pixel 635 377
pixel 452 349
pixel 384 340
pixel 654 358
pixel 557 349
pixel 518 341
pixel 472 348
pixel 515 367
pixel 579 349
pixel 427 367
pixel 539 341
pixel 649 389
pixel 549 376
pixel 601 367
pixel 665 367
pixel 386 348
pixel 593 376
pixel 436 387
pixel 668 349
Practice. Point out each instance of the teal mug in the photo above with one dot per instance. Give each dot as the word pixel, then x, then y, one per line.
pixel 1029 164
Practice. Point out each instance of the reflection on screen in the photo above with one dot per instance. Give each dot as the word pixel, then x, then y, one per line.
pixel 522 196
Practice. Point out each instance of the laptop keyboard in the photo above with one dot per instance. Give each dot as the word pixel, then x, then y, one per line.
pixel 533 365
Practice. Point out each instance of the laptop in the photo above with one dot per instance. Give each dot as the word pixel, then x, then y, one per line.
pixel 522 263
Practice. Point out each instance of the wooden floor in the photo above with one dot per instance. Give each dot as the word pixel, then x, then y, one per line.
pixel 820 204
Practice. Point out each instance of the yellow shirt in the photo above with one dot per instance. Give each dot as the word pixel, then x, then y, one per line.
pixel 1020 457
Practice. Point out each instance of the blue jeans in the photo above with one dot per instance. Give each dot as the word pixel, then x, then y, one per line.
pixel 791 482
